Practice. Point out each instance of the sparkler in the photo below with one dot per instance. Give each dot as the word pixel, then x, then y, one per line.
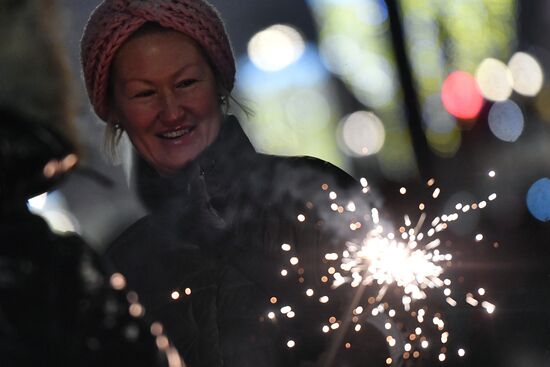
pixel 410 263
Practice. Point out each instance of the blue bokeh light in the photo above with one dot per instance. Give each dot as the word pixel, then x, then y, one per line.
pixel 538 199
pixel 506 121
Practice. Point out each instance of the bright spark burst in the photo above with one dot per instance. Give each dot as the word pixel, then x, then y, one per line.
pixel 407 261
pixel 384 261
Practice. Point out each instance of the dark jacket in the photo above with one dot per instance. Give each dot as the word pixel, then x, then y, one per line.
pixel 57 307
pixel 217 229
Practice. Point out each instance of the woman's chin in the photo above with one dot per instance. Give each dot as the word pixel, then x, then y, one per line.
pixel 170 166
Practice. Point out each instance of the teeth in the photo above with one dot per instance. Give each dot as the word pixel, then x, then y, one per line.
pixel 175 134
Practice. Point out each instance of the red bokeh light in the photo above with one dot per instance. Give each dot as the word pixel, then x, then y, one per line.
pixel 461 95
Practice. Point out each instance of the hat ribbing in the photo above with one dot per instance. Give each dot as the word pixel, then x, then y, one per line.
pixel 113 21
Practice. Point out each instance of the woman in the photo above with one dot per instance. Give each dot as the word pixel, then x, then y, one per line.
pixel 207 260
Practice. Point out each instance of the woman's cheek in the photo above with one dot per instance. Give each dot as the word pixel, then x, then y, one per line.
pixel 139 116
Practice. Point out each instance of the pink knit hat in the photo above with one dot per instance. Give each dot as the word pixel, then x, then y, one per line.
pixel 113 21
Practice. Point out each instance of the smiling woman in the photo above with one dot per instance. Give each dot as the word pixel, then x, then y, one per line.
pixel 165 97
pixel 206 261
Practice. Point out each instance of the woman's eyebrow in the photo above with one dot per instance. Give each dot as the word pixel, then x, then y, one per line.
pixel 176 74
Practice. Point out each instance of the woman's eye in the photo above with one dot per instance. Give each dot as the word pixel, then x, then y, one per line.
pixel 143 94
pixel 186 83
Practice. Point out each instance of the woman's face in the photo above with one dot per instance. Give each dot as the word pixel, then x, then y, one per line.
pixel 165 96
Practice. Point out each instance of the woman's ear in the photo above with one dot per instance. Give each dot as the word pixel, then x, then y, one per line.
pixel 114 126
pixel 223 100
pixel 113 118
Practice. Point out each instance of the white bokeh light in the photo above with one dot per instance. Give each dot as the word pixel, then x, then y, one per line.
pixel 527 74
pixel 494 80
pixel 340 54
pixel 373 82
pixel 361 134
pixel 276 47
pixel 369 74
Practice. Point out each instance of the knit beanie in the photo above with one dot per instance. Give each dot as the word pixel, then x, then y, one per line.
pixel 113 21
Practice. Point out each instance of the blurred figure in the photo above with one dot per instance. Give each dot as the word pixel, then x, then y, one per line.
pixel 57 308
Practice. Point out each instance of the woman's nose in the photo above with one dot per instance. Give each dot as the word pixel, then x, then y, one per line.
pixel 172 110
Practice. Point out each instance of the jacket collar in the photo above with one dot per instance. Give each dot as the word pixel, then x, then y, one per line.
pixel 224 159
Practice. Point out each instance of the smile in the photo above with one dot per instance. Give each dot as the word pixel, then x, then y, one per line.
pixel 176 133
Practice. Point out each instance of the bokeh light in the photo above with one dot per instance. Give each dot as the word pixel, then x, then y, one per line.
pixel 374 85
pixel 424 44
pixel 276 47
pixel 435 117
pixel 369 74
pixel 374 13
pixel 476 29
pixel 361 134
pixel 527 74
pixel 538 199
pixel 461 96
pixel 444 144
pixel 118 281
pixel 355 45
pixel 494 80
pixel 340 54
pixel 301 119
pixel 295 112
pixel 442 132
pixel 506 121
pixel 439 40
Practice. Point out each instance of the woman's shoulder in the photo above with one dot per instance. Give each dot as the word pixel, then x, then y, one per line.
pixel 308 172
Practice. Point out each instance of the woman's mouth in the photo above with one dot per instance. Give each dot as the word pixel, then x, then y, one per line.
pixel 175 134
